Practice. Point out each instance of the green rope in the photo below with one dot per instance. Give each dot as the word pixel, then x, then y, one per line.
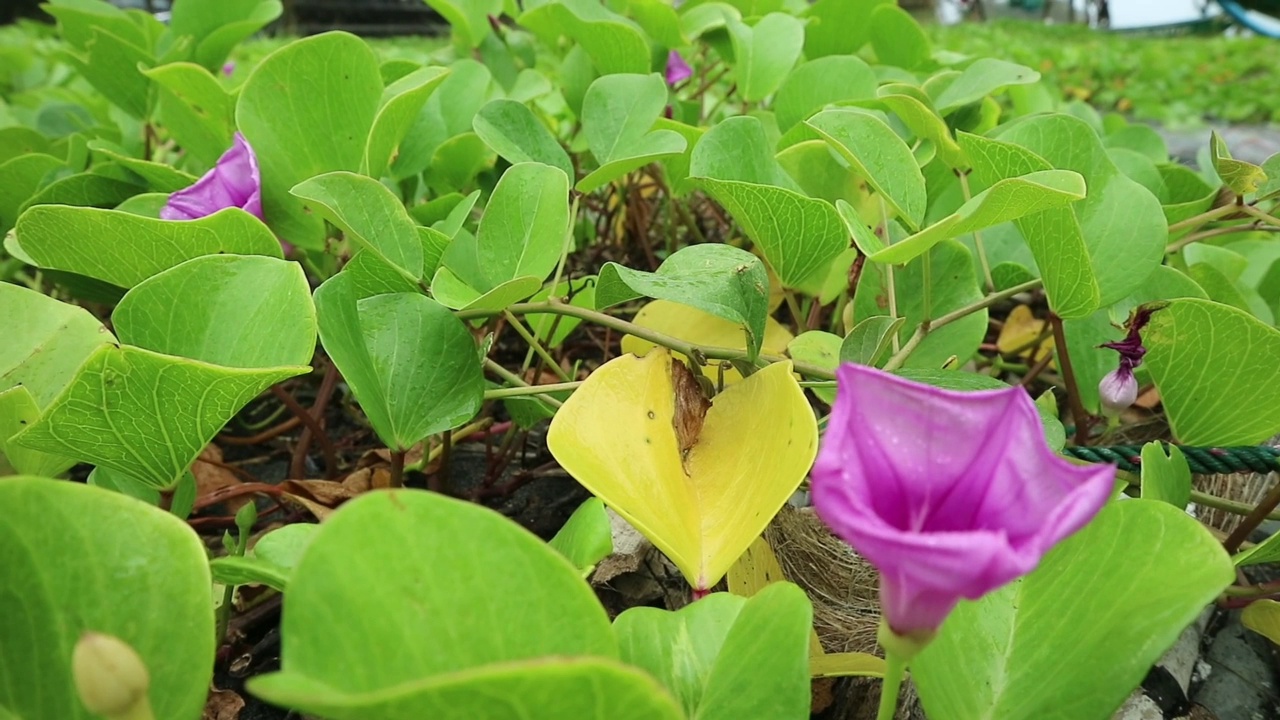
pixel 1201 460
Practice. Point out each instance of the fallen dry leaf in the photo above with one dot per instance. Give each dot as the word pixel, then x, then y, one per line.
pixel 1020 332
pixel 211 476
pixel 222 705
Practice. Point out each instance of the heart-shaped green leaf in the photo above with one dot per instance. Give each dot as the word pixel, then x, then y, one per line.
pixel 403 564
pixel 401 103
pixel 308 109
pixel 618 113
pixel 1212 364
pixel 816 83
pixel 1146 569
pixel 412 365
pixel 719 279
pixel 614 43
pixel 897 37
pixel 1242 177
pixel 139 576
pixel 125 249
pixel 764 53
pixel 876 153
pixel 1006 200
pixel 980 79
pixel 726 656
pixel 369 214
pixel 515 133
pixel 447 114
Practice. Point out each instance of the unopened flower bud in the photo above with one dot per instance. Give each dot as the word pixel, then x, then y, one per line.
pixel 110 678
pixel 1118 390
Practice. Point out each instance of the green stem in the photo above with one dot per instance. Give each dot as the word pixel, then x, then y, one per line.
pixel 700 353
pixel 895 668
pixel 530 390
pixel 514 379
pixel 523 332
pixel 1197 220
pixel 977 239
pixel 1260 215
pixel 891 287
pixel 925 328
pixel 926 299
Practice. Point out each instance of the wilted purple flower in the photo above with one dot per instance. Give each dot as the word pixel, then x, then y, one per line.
pixel 228 67
pixel 233 182
pixel 949 494
pixel 1119 389
pixel 677 69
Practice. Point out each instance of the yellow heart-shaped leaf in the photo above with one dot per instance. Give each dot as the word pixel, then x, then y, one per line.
pixel 700 328
pixel 701 497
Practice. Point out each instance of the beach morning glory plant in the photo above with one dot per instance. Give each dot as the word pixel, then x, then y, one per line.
pixel 233 182
pixel 949 494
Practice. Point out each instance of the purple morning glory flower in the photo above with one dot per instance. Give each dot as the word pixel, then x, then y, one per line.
pixel 677 69
pixel 233 182
pixel 949 494
pixel 228 67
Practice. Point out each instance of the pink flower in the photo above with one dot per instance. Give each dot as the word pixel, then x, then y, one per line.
pixel 677 69
pixel 228 67
pixel 233 182
pixel 950 494
pixel 1118 389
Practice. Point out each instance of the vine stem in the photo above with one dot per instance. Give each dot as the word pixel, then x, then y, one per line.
pixel 1083 420
pixel 531 390
pixel 1260 215
pixel 397 468
pixel 895 668
pixel 1253 519
pixel 514 379
pixel 1180 243
pixel 528 337
pixel 977 237
pixel 297 468
pixel 1197 220
pixel 925 328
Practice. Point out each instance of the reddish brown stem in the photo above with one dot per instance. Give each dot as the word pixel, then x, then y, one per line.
pixel 1253 519
pixel 1083 420
pixel 297 467
pixel 263 436
pixel 323 395
pixel 397 468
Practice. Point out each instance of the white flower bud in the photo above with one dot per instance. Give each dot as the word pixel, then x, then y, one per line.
pixel 1118 390
pixel 110 678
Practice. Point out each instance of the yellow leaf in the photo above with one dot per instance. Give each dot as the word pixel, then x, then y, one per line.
pixel 700 328
pixel 1019 334
pixel 1263 617
pixel 846 664
pixel 616 435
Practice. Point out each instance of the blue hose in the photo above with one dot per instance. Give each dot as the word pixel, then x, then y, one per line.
pixel 1242 17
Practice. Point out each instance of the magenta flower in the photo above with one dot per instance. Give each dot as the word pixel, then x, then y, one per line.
pixel 233 182
pixel 949 494
pixel 677 69
pixel 228 67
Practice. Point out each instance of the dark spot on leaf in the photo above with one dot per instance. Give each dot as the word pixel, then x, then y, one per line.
pixel 652 415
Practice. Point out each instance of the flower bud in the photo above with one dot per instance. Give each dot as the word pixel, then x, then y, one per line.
pixel 110 678
pixel 1118 390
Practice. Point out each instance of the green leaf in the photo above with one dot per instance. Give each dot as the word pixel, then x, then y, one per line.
pixel 820 349
pixel 955 285
pixel 1165 475
pixel 799 236
pixel 1213 365
pixel 916 111
pixel 75 586
pixel 111 64
pixel 17 141
pixel 1185 194
pixel 456 294
pixel 818 82
pixel 86 189
pixel 738 149
pixel 468 18
pixel 23 177
pixel 1008 199
pixel 980 79
pixel 270 562
pixel 897 37
pixel 158 176
pixel 554 329
pixel 1146 569
pixel 726 656
pixel 1267 551
pixel 618 113
pixel 523 230
pixel 364 561
pixel 163 313
pixel 130 434
pixel 764 53
pixel 838 27
pixel 308 109
pixel 869 340
pixel 124 249
pixel 614 43
pixel 195 109
pixel 1242 177
pixel 1263 617
pixel 1271 187
pixel 876 153
pixel 369 214
pixel 515 133
pixel 586 538
pixel 401 103
pixel 447 114
pixel 219 27
pixel 411 364
pixel 1217 286
pixel 718 279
